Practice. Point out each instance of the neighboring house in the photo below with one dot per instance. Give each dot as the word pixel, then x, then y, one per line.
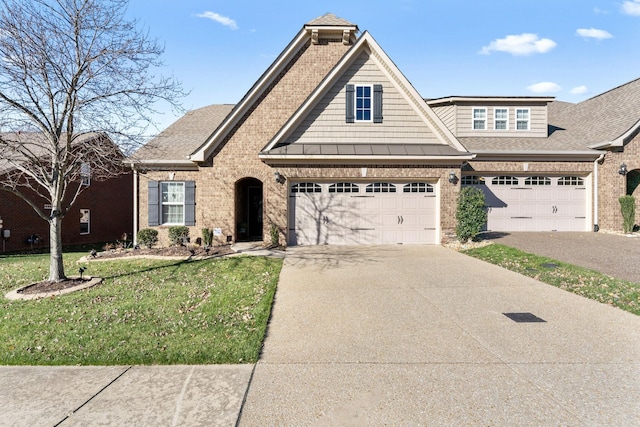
pixel 102 212
pixel 334 145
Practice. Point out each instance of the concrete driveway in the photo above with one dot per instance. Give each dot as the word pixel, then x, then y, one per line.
pixel 416 335
pixel 612 254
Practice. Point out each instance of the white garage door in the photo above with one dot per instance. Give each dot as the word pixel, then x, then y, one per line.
pixel 533 203
pixel 354 213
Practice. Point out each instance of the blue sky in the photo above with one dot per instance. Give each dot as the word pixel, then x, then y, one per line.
pixel 570 49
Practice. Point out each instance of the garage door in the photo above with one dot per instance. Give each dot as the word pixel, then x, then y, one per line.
pixel 355 213
pixel 533 203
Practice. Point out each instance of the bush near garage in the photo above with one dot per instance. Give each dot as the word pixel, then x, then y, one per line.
pixel 471 214
pixel 178 235
pixel 148 237
pixel 628 208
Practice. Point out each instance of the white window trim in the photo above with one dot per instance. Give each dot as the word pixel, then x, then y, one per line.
pixel 528 121
pixel 473 117
pixel 163 203
pixel 496 119
pixel 85 174
pixel 88 222
pixel 355 103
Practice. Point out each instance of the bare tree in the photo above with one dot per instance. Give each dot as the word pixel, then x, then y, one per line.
pixel 76 76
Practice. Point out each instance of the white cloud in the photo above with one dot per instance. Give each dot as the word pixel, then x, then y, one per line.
pixel 593 33
pixel 579 90
pixel 631 7
pixel 224 20
pixel 522 44
pixel 599 11
pixel 544 87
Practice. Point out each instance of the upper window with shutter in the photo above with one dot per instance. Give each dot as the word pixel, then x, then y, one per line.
pixel 363 103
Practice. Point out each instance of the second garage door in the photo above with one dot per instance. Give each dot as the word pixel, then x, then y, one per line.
pixel 533 203
pixel 354 213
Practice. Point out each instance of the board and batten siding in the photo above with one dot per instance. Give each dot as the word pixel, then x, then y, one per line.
pixel 537 121
pixel 326 123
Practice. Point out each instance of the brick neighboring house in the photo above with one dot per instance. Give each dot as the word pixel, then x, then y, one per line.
pixel 334 145
pixel 102 213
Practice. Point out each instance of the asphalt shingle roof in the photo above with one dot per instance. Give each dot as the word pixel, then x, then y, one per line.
pixel 185 135
pixel 329 20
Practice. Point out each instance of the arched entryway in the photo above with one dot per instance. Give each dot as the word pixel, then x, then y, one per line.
pixel 248 201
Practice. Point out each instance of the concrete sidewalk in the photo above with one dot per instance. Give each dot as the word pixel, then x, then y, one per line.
pixel 417 336
pixel 122 396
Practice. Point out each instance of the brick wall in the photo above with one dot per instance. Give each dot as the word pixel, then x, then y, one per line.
pixel 111 209
pixel 612 185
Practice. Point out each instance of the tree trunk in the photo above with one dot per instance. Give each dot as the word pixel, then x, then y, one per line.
pixel 56 265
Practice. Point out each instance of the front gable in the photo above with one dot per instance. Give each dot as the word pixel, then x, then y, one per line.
pixel 398 124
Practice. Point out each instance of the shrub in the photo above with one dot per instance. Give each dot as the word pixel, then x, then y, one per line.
pixel 178 235
pixel 275 236
pixel 207 236
pixel 148 237
pixel 628 208
pixel 471 213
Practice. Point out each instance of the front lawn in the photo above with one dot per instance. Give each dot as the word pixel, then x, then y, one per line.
pixel 144 312
pixel 579 280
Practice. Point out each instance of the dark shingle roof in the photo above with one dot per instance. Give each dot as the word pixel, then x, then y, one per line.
pixel 185 135
pixel 329 20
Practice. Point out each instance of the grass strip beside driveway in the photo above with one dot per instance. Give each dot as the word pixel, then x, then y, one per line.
pixel 582 281
pixel 144 312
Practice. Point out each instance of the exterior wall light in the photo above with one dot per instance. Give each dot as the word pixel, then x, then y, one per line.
pixel 452 177
pixel 278 177
pixel 623 169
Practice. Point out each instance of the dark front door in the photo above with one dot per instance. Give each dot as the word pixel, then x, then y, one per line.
pixel 254 212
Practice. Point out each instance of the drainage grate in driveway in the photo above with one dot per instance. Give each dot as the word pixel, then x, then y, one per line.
pixel 524 317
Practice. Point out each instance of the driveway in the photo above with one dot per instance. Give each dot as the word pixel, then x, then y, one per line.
pixel 416 335
pixel 612 254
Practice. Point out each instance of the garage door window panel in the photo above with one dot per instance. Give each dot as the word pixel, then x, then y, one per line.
pixel 575 181
pixel 417 187
pixel 381 187
pixel 472 180
pixel 537 180
pixel 504 180
pixel 306 187
pixel 344 187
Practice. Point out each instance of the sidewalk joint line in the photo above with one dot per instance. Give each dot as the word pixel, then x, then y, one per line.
pixel 92 397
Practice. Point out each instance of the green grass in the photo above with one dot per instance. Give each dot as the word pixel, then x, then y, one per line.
pixel 582 281
pixel 144 312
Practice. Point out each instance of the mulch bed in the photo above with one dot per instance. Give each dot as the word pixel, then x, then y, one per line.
pixel 171 251
pixel 48 286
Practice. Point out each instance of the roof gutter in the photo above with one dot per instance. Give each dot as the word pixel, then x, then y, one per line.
pixel 144 165
pixel 533 155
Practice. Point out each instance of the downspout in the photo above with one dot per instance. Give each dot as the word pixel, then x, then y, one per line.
pixel 596 227
pixel 135 205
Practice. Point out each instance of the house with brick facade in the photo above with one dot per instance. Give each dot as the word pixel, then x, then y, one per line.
pixel 102 212
pixel 333 145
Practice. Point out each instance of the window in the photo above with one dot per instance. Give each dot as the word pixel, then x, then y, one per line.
pixel 381 187
pixel 418 187
pixel 85 174
pixel 171 203
pixel 85 221
pixel 505 180
pixel 479 118
pixel 571 180
pixel 537 180
pixel 522 119
pixel 363 103
pixel 472 180
pixel 344 187
pixel 501 119
pixel 306 187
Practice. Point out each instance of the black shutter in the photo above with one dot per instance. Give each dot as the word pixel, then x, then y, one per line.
pixel 189 203
pixel 153 201
pixel 377 103
pixel 350 110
